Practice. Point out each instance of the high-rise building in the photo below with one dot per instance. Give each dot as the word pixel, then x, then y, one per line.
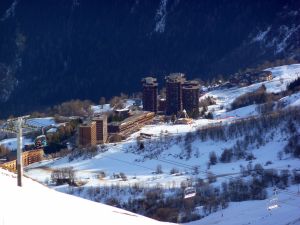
pixel 101 129
pixel 162 105
pixel 190 97
pixel 174 93
pixel 87 134
pixel 150 93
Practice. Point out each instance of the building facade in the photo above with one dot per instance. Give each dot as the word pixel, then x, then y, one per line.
pixel 190 98
pixel 28 158
pixel 101 129
pixel 87 134
pixel 174 84
pixel 162 105
pixel 150 92
pixel 130 124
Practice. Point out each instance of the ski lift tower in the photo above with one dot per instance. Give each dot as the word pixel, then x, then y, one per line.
pixel 18 126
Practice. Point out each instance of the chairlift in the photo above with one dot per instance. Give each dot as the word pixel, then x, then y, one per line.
pixel 189 192
pixel 273 204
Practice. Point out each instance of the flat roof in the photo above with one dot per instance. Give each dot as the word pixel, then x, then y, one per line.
pixel 102 117
pixel 131 118
pixel 191 84
pixel 149 81
pixel 175 77
pixel 88 124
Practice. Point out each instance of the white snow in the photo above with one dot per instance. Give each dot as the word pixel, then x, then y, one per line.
pixel 161 16
pixel 37 204
pixel 261 35
pixel 282 76
pixel 41 122
pixel 256 213
pixel 11 143
pixel 287 33
pixel 52 130
pixel 10 12
pixel 101 108
pixel 291 101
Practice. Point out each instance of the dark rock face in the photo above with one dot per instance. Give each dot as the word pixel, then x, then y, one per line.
pixel 58 50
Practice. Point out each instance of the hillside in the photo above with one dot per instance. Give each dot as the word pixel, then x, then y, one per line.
pixel 53 51
pixel 258 158
pixel 36 204
pixel 255 213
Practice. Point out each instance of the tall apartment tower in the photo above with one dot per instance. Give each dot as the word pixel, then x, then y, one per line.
pixel 150 93
pixel 174 84
pixel 190 97
pixel 101 129
pixel 87 134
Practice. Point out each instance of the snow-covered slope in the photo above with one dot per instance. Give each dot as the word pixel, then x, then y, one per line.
pixel 282 76
pixel 169 146
pixel 11 143
pixel 256 213
pixel 37 204
pixel 41 122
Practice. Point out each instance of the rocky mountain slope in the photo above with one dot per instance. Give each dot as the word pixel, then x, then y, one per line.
pixel 53 51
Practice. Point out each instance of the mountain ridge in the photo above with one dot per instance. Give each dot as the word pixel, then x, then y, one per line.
pixel 86 50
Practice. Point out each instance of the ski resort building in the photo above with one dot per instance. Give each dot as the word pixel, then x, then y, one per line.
pixel 174 84
pixel 121 130
pixel 150 93
pixel 87 134
pixel 28 158
pixel 162 105
pixel 190 97
pixel 101 129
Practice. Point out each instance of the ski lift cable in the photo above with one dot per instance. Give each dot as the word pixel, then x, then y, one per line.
pixel 127 162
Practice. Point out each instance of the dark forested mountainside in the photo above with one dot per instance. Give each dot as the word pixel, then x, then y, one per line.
pixel 52 51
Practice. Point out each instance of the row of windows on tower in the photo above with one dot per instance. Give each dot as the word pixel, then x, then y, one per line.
pixel 180 95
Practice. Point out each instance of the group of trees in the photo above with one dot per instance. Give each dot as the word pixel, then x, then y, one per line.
pixel 73 108
pixel 204 103
pixel 247 132
pixel 63 175
pixel 268 64
pixel 153 201
pixel 259 96
pixel 82 108
pixel 57 139
pixel 293 146
pixel 294 86
pixel 85 153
